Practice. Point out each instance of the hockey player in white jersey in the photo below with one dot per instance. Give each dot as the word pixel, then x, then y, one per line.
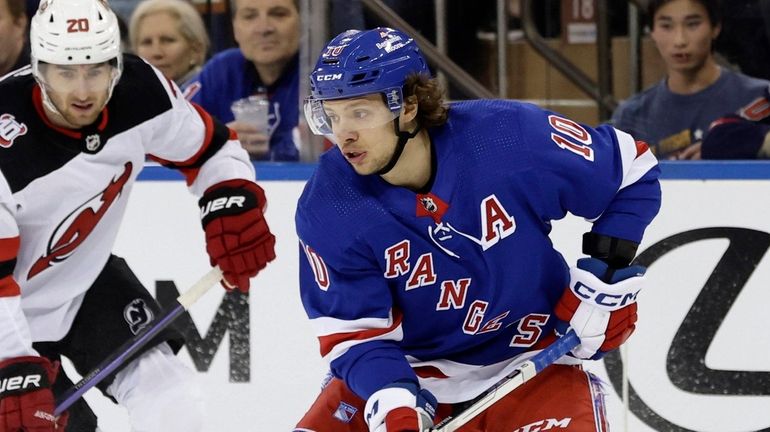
pixel 75 129
pixel 425 263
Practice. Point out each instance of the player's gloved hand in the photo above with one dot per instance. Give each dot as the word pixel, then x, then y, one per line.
pixel 26 401
pixel 599 306
pixel 400 407
pixel 238 239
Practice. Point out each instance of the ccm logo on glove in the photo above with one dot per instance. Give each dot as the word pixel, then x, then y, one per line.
pixel 610 301
pixel 601 312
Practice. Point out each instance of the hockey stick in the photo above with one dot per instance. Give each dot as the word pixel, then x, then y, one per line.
pixel 522 374
pixel 131 346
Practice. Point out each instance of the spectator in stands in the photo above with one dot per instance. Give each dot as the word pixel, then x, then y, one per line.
pixel 745 135
pixel 673 115
pixel 170 35
pixel 266 61
pixel 745 37
pixel 14 48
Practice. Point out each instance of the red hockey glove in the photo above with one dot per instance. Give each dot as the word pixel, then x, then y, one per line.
pixel 400 407
pixel 601 314
pixel 238 239
pixel 26 400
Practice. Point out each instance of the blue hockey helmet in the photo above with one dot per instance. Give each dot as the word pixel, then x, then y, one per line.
pixel 357 63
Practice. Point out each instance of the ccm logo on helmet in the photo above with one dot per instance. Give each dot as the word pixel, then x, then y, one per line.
pixel 329 77
pixel 603 299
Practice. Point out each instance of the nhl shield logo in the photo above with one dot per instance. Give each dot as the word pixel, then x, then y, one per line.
pixel 428 204
pixel 137 315
pixel 432 206
pixel 93 142
pixel 10 129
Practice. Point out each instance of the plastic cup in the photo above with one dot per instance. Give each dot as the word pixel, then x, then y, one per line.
pixel 252 109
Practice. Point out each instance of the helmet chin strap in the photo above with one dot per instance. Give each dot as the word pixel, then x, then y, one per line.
pixel 47 102
pixel 403 137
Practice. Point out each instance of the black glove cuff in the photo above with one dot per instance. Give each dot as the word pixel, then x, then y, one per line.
pixel 616 252
pixel 21 378
pixel 226 201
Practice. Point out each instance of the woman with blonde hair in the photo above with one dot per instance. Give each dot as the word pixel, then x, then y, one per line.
pixel 170 35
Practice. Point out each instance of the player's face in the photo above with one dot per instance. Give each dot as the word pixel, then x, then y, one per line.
pixel 79 92
pixel 161 42
pixel 363 130
pixel 683 34
pixel 267 31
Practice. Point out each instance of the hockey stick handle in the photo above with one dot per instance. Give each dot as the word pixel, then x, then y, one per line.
pixel 515 379
pixel 131 346
pixel 555 351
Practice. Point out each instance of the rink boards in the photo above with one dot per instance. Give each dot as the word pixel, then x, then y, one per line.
pixel 699 360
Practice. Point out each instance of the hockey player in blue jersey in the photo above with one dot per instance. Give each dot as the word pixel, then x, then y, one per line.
pixel 425 263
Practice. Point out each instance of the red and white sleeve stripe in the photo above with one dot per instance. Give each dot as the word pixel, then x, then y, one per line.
pixel 337 336
pixel 637 158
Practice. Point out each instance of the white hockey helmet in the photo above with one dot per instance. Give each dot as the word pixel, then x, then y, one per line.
pixel 75 32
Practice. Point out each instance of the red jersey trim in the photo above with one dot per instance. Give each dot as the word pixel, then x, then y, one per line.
pixel 9 248
pixel 429 372
pixel 641 148
pixel 191 174
pixel 9 287
pixel 330 341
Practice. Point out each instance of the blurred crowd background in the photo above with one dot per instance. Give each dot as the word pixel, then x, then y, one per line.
pixel 687 76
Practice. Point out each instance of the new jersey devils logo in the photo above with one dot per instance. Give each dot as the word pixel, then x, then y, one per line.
pixel 137 315
pixel 76 227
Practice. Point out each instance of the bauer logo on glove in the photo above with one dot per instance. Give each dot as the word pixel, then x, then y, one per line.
pixel 26 399
pixel 225 201
pixel 20 382
pixel 238 239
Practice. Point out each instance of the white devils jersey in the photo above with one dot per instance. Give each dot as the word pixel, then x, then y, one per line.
pixel 63 192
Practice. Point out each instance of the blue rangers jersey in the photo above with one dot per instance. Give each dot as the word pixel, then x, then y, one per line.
pixel 229 76
pixel 455 286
